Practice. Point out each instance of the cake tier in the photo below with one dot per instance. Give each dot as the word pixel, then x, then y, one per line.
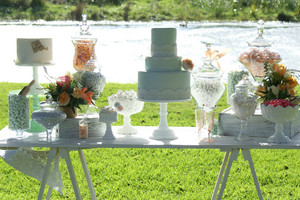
pixel 163 50
pixel 163 42
pixel 164 85
pixel 163 36
pixel 163 64
pixel 34 50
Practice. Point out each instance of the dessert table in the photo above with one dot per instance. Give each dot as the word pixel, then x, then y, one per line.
pixel 187 138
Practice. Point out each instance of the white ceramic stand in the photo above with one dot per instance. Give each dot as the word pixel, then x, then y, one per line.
pixel 163 132
pixel 108 133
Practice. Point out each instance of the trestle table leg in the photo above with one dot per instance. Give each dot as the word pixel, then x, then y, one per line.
pixel 87 174
pixel 233 156
pixel 247 156
pixel 220 175
pixel 49 193
pixel 51 155
pixel 65 155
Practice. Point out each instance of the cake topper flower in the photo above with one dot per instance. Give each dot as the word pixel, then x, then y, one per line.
pixel 278 83
pixel 188 64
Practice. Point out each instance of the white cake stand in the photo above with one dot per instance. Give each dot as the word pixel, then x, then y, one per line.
pixel 163 132
pixel 35 90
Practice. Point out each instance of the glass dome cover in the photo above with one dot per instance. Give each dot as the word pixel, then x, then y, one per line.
pixel 207 70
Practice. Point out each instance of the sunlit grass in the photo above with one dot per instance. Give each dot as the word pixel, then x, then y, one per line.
pixel 160 173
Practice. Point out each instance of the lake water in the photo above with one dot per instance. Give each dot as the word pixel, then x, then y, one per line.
pixel 122 46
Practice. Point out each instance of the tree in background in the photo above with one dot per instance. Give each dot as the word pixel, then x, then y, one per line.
pixel 37 3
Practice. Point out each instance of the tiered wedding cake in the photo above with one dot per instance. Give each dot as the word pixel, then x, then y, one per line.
pixel 163 79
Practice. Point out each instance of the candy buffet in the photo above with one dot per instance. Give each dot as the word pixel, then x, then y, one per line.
pixel 263 113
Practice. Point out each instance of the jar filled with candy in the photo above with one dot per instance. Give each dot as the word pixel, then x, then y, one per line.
pixel 84 45
pixel 258 53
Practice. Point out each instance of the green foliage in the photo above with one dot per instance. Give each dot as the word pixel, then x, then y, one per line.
pixel 37 3
pixel 145 10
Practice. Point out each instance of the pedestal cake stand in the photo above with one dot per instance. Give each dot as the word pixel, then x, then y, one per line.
pixel 163 132
pixel 36 91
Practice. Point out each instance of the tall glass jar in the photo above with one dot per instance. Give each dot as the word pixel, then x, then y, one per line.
pixel 207 87
pixel 84 45
pixel 243 104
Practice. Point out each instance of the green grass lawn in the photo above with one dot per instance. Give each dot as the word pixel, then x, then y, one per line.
pixel 160 173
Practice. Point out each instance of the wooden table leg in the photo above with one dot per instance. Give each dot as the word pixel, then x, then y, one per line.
pixel 233 156
pixel 87 174
pixel 220 175
pixel 51 155
pixel 247 156
pixel 65 155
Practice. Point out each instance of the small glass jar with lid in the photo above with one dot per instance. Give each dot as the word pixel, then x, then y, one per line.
pixel 207 87
pixel 258 53
pixel 243 104
pixel 234 76
pixel 84 45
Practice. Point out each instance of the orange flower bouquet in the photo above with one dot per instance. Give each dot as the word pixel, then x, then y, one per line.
pixel 278 83
pixel 68 92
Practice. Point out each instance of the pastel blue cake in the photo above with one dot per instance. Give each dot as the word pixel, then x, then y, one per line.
pixel 163 79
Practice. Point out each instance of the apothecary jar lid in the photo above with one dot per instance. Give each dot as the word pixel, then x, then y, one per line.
pixel 207 70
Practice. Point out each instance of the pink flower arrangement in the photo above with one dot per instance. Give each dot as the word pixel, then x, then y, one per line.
pixel 68 92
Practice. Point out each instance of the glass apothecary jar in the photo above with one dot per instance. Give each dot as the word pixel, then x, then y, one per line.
pixel 207 87
pixel 48 116
pixel 258 53
pixel 234 76
pixel 84 45
pixel 243 104
pixel 92 78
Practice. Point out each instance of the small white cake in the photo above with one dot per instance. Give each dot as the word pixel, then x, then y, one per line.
pixel 108 114
pixel 34 50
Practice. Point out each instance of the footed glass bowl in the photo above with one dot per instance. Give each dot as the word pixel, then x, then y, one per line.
pixel 127 104
pixel 279 115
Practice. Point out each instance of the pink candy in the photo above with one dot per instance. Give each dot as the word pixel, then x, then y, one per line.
pixel 279 102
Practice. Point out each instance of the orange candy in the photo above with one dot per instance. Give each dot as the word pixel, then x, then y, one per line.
pixel 83 51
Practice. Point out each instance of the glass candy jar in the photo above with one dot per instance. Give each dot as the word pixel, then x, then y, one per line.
pixel 84 45
pixel 207 87
pixel 92 77
pixel 243 104
pixel 48 116
pixel 234 76
pixel 258 53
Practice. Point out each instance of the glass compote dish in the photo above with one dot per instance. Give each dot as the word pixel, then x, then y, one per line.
pixel 127 104
pixel 243 104
pixel 48 116
pixel 279 115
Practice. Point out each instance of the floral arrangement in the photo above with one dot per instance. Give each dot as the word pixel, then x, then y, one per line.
pixel 278 83
pixel 68 92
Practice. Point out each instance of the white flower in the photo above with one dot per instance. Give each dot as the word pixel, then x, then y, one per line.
pixel 287 75
pixel 274 89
